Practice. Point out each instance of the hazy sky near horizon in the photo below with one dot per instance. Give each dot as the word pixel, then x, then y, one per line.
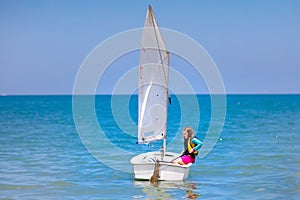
pixel 255 44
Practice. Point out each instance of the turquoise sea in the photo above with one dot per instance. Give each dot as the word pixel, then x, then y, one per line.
pixel 42 155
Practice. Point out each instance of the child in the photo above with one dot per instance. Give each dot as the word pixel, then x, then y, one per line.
pixel 191 145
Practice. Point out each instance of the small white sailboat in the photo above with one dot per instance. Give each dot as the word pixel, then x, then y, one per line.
pixel 153 98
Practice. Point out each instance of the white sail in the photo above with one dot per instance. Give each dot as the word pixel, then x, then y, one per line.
pixel 153 83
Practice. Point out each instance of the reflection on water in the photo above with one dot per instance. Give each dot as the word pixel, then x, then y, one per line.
pixel 168 190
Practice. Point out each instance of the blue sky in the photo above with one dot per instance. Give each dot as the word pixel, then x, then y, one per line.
pixel 255 44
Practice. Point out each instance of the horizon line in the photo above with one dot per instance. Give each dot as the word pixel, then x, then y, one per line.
pixel 135 94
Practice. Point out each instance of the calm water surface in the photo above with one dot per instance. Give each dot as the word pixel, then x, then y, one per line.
pixel 256 157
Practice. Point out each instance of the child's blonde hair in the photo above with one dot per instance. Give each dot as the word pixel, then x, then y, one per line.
pixel 189 131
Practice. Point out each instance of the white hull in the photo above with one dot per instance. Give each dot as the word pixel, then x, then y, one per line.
pixel 143 166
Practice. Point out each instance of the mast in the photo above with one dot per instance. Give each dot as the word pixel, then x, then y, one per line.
pixel 167 98
pixel 153 84
pixel 155 26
